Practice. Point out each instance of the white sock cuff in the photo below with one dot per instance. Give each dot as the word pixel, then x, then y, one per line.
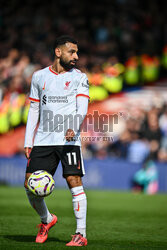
pixel 78 193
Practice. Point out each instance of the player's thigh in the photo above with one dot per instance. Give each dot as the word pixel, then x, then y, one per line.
pixel 42 158
pixel 71 159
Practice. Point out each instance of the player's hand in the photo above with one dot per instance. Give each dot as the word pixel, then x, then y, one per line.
pixel 69 135
pixel 27 152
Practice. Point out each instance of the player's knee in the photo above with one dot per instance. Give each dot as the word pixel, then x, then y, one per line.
pixel 74 181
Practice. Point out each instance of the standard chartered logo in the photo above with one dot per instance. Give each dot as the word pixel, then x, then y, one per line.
pixel 57 99
pixel 44 100
pixel 54 99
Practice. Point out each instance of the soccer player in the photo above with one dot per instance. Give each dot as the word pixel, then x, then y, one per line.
pixel 59 95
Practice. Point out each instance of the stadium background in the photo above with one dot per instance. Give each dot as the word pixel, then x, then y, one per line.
pixel 123 50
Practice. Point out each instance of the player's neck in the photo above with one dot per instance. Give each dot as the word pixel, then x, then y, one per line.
pixel 57 68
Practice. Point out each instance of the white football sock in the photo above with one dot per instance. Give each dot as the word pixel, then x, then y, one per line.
pixel 80 208
pixel 39 205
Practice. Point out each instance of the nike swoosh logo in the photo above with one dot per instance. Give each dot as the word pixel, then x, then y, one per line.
pixel 78 165
pixel 44 86
pixel 77 209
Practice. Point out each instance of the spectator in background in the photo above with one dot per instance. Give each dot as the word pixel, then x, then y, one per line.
pixel 162 154
pixel 146 179
pixel 152 132
pixel 138 149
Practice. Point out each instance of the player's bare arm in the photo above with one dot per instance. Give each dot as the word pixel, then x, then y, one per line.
pixel 27 152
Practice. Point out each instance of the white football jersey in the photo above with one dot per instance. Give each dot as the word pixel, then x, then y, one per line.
pixel 57 95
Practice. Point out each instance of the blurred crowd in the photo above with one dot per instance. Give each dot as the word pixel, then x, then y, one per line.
pixel 121 42
pixel 115 37
pixel 120 28
pixel 142 136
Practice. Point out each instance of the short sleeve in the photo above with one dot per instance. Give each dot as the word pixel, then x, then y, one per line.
pixel 83 87
pixel 34 91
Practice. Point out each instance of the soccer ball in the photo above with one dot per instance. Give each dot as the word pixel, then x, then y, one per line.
pixel 41 183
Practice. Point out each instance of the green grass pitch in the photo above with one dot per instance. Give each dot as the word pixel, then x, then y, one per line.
pixel 116 220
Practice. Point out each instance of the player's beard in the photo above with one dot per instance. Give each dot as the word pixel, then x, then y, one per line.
pixel 67 65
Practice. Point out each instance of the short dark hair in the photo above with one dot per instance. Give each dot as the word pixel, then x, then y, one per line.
pixel 63 40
